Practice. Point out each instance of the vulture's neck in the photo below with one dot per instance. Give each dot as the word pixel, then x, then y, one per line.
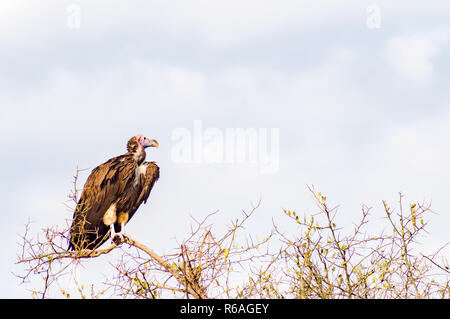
pixel 139 155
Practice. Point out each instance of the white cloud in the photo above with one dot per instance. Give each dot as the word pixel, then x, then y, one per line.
pixel 227 22
pixel 411 56
pixel 411 157
pixel 69 99
pixel 268 91
pixel 217 23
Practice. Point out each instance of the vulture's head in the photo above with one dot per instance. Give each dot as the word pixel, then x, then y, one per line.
pixel 139 142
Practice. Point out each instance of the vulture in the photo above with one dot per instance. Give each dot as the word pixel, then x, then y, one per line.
pixel 112 194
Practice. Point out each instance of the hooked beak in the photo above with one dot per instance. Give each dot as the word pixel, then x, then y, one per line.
pixel 150 143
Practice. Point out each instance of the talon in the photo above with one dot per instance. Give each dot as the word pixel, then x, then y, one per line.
pixel 118 239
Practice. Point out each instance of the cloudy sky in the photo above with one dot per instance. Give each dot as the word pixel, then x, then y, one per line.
pixel 358 92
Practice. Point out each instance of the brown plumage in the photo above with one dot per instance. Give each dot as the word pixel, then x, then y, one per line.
pixel 112 194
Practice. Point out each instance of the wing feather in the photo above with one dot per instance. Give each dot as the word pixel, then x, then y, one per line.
pixel 104 185
pixel 150 178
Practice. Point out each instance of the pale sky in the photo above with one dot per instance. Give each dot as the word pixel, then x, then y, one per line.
pixel 362 113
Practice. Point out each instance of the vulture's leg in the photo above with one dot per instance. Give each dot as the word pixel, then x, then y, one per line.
pixel 119 237
pixel 122 228
pixel 113 233
pixel 122 219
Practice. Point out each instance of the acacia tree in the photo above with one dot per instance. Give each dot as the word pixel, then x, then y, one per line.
pixel 319 260
pixel 324 261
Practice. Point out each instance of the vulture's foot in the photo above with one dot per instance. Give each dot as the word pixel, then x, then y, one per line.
pixel 118 239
